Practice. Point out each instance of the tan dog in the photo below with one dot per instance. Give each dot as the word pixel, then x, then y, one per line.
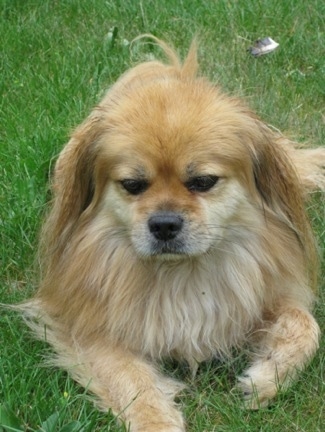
pixel 177 230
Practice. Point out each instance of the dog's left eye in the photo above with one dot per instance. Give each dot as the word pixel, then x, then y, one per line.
pixel 201 183
pixel 134 187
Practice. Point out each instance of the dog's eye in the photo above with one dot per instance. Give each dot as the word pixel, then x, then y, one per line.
pixel 134 187
pixel 202 183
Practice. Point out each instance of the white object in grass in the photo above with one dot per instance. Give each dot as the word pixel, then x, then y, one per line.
pixel 263 46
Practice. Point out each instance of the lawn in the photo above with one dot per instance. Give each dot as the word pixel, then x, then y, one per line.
pixel 57 58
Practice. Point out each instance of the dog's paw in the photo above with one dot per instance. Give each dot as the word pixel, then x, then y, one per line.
pixel 159 428
pixel 259 384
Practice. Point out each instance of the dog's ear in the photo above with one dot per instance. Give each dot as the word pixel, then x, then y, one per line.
pixel 281 191
pixel 275 177
pixel 72 182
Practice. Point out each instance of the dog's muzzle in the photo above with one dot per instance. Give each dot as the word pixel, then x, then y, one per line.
pixel 166 231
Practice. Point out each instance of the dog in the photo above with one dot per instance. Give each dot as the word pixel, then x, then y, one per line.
pixel 177 230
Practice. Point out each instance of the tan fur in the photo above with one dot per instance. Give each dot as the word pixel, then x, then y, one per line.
pixel 111 307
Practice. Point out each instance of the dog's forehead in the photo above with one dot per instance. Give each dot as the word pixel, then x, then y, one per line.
pixel 163 103
pixel 170 125
pixel 147 159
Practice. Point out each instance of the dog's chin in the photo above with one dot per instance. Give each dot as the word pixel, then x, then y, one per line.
pixel 165 251
pixel 167 256
pixel 164 256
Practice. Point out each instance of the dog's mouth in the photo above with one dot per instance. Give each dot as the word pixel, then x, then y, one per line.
pixel 172 247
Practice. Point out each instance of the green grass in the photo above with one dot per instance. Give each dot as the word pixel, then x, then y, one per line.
pixel 56 60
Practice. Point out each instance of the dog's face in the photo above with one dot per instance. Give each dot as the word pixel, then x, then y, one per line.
pixel 176 165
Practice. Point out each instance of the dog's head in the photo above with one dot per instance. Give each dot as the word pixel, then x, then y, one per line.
pixel 176 166
pixel 170 163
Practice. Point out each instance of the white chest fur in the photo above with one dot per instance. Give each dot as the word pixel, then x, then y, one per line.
pixel 191 309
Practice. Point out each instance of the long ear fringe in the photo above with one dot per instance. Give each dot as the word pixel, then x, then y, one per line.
pixel 281 190
pixel 72 187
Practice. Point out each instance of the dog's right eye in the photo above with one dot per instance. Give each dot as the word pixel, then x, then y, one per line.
pixel 201 183
pixel 134 187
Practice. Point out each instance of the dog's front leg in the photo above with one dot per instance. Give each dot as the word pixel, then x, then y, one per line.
pixel 286 346
pixel 131 387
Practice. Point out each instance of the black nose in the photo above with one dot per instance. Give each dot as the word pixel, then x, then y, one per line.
pixel 165 226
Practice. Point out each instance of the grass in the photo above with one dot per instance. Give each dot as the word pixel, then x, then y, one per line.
pixel 57 58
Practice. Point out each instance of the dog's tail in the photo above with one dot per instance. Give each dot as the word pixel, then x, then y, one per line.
pixel 308 162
